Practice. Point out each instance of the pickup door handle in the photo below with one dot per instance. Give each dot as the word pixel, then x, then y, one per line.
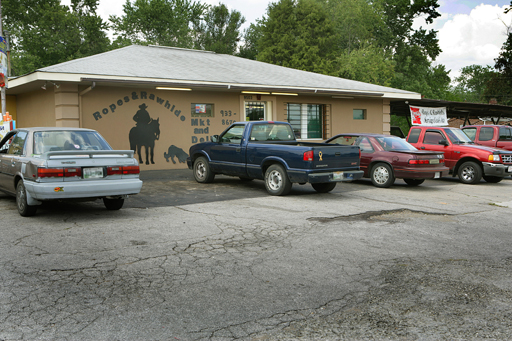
pixel 238 149
pixel 337 153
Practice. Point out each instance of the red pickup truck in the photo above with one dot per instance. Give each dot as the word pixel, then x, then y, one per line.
pixel 464 158
pixel 490 135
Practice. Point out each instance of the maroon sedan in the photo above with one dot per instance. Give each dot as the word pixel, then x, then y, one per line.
pixel 386 157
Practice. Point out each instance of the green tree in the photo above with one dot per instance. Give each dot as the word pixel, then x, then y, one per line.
pixel 366 64
pixel 92 28
pixel 164 22
pixel 44 32
pixel 219 31
pixel 249 48
pixel 472 83
pixel 297 34
pixel 500 84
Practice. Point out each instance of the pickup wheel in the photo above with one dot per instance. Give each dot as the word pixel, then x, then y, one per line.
pixel 382 175
pixel 414 182
pixel 277 181
pixel 24 209
pixel 324 187
pixel 470 173
pixel 113 204
pixel 202 171
pixel 492 179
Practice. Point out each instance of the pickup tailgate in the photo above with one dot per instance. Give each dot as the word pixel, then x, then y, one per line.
pixel 335 157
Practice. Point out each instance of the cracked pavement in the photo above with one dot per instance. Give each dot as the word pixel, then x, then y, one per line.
pixel 224 261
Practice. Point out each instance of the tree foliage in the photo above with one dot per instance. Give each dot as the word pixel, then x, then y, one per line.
pixel 219 30
pixel 499 87
pixel 44 32
pixel 161 22
pixel 297 34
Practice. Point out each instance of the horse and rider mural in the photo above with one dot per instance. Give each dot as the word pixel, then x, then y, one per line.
pixel 145 133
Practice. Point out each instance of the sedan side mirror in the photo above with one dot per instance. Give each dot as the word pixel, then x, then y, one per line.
pixel 215 138
pixel 443 142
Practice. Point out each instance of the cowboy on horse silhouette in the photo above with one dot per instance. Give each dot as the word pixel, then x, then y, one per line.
pixel 145 132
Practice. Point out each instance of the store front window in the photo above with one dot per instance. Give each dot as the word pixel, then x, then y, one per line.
pixel 255 111
pixel 306 120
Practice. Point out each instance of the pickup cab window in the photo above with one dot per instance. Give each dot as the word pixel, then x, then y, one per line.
pixel 271 132
pixel 471 133
pixel 486 134
pixel 457 136
pixel 414 136
pixel 433 137
pixel 505 134
pixel 233 135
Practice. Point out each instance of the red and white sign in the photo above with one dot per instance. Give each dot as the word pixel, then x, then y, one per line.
pixel 421 116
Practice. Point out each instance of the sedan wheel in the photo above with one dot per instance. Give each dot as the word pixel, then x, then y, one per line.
pixel 113 204
pixel 382 175
pixel 24 209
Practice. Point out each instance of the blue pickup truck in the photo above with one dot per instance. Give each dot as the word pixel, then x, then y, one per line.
pixel 269 151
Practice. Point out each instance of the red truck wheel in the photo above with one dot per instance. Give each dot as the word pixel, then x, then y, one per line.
pixel 470 172
pixel 492 179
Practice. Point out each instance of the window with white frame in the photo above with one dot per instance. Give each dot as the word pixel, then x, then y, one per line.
pixel 306 120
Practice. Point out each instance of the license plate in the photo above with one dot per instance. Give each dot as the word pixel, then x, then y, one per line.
pixel 93 172
pixel 437 175
pixel 510 169
pixel 337 176
pixel 434 161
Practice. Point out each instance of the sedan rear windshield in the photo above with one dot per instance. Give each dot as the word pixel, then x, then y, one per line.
pixel 394 143
pixel 49 141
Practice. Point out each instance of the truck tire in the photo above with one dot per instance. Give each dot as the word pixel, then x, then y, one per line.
pixel 202 171
pixel 414 182
pixel 492 179
pixel 24 209
pixel 324 187
pixel 113 204
pixel 470 173
pixel 382 175
pixel 277 181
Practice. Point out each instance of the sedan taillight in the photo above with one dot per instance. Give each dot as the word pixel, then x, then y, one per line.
pixel 50 172
pixel 419 162
pixel 123 170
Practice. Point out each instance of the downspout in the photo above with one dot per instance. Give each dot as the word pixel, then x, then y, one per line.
pixel 80 102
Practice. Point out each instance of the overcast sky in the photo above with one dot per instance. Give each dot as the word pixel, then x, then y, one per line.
pixel 470 32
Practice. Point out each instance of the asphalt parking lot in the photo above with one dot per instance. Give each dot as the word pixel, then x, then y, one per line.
pixel 225 261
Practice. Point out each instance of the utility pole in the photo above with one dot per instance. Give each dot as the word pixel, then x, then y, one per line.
pixel 3 87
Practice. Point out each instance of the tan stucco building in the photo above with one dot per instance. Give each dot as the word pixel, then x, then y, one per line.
pixel 190 95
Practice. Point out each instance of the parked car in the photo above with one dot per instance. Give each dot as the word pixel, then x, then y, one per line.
pixel 40 164
pixel 464 158
pixel 386 157
pixel 490 135
pixel 269 151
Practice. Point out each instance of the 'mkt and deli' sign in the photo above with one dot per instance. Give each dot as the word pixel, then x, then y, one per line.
pixel 421 116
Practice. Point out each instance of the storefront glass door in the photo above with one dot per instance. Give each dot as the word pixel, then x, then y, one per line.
pixel 255 111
